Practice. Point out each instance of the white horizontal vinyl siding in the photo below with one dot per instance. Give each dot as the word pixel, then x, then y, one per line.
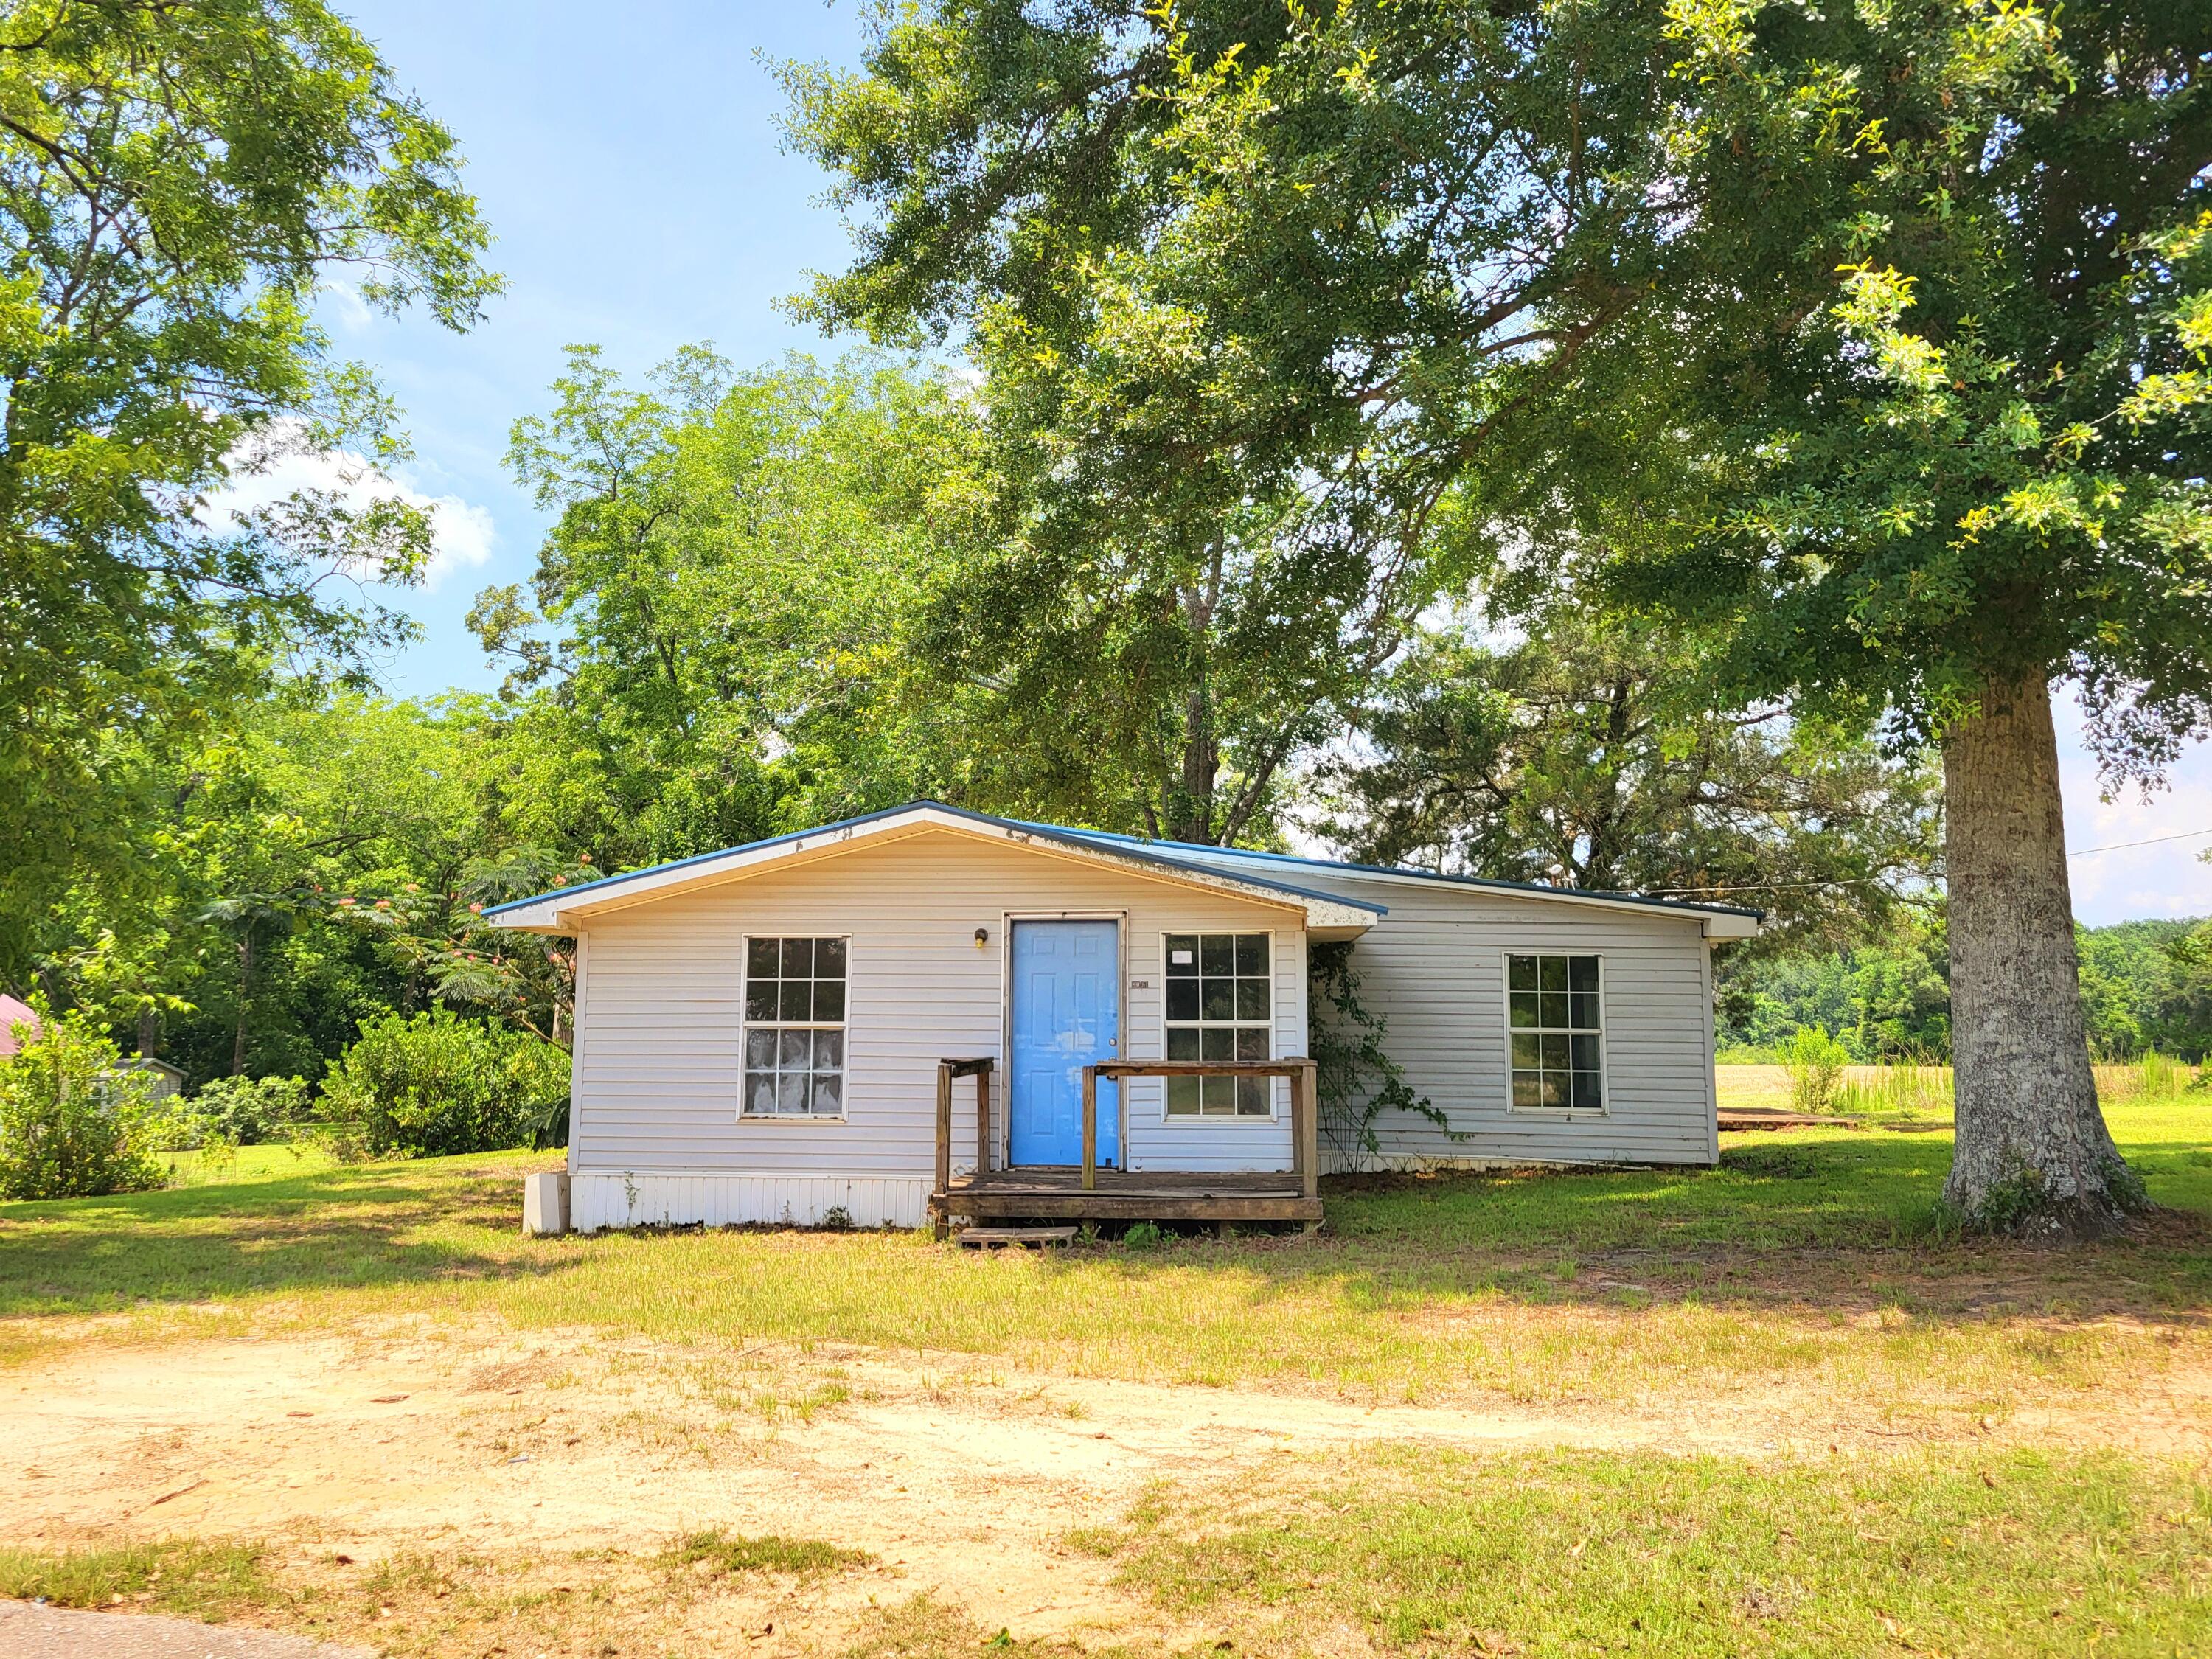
pixel 660 1042
pixel 1434 969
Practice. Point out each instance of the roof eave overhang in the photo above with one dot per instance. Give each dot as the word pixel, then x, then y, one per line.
pixel 1324 915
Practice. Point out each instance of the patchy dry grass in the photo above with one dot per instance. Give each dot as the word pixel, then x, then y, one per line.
pixel 1554 1553
pixel 1806 1260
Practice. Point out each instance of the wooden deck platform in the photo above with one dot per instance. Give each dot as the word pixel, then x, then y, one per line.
pixel 1123 1195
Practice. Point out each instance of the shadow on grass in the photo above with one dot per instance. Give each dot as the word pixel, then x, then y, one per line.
pixel 341 1228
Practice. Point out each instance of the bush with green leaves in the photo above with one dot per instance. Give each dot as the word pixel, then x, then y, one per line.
pixel 1816 1062
pixel 238 1111
pixel 437 1084
pixel 72 1126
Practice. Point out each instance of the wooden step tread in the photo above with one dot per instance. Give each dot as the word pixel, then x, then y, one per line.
pixel 975 1238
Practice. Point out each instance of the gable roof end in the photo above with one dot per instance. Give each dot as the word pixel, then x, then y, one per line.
pixel 561 911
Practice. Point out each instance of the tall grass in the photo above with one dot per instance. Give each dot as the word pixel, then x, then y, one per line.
pixel 1901 1092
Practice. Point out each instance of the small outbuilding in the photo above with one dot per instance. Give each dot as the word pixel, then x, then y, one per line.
pixel 928 1013
pixel 14 1012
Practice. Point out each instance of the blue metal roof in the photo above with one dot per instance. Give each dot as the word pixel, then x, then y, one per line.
pixel 1423 875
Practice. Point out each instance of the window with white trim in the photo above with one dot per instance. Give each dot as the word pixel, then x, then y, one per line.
pixel 1219 1002
pixel 794 1028
pixel 1556 1026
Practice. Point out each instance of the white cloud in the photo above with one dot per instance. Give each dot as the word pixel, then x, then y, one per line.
pixel 462 533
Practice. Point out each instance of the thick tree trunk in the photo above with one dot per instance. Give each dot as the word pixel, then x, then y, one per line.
pixel 2033 1157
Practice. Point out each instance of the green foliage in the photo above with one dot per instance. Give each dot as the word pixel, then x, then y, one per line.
pixel 70 1125
pixel 1583 755
pixel 1248 286
pixel 737 571
pixel 1816 1062
pixel 176 182
pixel 237 1111
pixel 1143 1236
pixel 1357 1080
pixel 1886 996
pixel 184 1577
pixel 802 1558
pixel 438 1084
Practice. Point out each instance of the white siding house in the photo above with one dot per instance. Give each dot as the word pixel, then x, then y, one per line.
pixel 758 1032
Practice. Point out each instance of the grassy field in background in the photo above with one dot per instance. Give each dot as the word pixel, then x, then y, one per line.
pixel 1807 1257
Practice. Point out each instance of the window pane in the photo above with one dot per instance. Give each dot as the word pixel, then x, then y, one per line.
pixel 829 1050
pixel 1555 1091
pixel 1552 973
pixel 828 998
pixel 828 1094
pixel 759 1000
pixel 1555 1052
pixel 791 1094
pixel 1183 1043
pixel 1528 1091
pixel 796 1051
pixel 829 958
pixel 1251 955
pixel 1217 955
pixel 1182 956
pixel 1585 1051
pixel 1588 1094
pixel 1524 1007
pixel 1220 1043
pixel 1582 973
pixel 1520 973
pixel 1555 1009
pixel 1251 1042
pixel 798 959
pixel 1182 1095
pixel 1526 1050
pixel 759 1050
pixel 761 957
pixel 1220 1096
pixel 760 1091
pixel 1182 999
pixel 795 1003
pixel 1251 998
pixel 1220 1001
pixel 1583 1013
pixel 1251 1096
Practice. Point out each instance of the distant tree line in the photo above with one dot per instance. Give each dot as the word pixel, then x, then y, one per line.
pixel 2145 986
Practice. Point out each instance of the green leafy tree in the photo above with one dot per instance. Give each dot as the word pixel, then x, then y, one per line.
pixel 1958 396
pixel 1865 341
pixel 1249 284
pixel 724 620
pixel 176 179
pixel 1583 755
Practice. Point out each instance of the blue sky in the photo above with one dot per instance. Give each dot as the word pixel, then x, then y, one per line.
pixel 628 159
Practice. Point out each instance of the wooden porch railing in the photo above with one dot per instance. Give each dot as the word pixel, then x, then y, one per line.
pixel 1305 1138
pixel 946 1071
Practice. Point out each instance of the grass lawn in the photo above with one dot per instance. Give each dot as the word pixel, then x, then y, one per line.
pixel 1575 1553
pixel 1798 1285
pixel 1806 1258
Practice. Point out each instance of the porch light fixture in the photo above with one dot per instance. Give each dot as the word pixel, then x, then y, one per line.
pixel 982 936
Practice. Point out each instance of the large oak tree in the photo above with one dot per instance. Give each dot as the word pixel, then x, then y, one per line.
pixel 1866 341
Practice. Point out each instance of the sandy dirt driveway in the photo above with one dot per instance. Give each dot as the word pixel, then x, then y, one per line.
pixel 586 1459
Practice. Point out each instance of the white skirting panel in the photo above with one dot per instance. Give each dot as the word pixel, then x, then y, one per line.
pixel 663 1198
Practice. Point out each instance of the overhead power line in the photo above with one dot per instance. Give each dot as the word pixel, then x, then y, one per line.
pixel 1872 881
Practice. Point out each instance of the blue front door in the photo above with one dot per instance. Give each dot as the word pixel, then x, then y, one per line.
pixel 1068 1009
